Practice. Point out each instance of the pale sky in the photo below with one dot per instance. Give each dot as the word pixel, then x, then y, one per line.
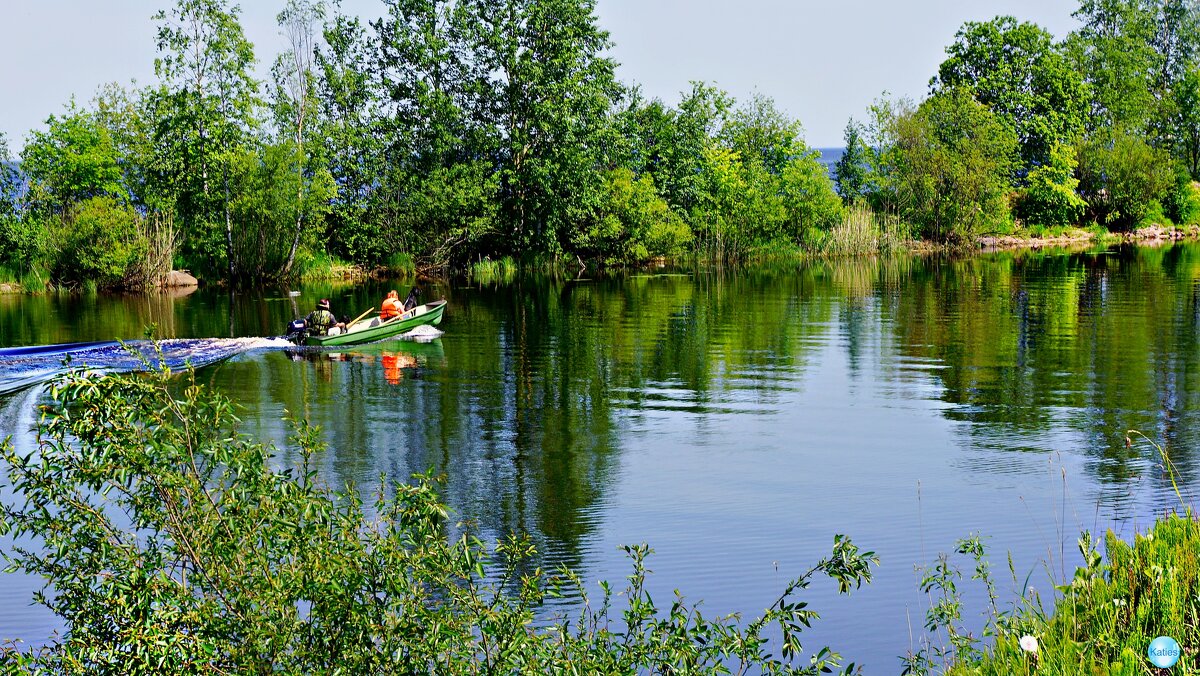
pixel 822 62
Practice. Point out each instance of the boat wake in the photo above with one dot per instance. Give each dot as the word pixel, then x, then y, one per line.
pixel 422 334
pixel 25 366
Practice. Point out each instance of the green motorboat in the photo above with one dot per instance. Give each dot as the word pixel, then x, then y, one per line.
pixel 372 329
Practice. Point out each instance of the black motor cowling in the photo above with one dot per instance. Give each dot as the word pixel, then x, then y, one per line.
pixel 297 331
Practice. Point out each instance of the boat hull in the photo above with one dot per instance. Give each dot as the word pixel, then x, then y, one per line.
pixel 372 330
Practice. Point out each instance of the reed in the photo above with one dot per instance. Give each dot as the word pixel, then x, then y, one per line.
pixel 490 271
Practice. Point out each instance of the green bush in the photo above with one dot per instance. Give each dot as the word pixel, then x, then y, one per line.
pixel 1155 215
pixel 172 546
pixel 24 241
pixel 951 167
pixel 808 196
pixel 1100 621
pixel 1103 618
pixel 102 243
pixel 1050 198
pixel 632 223
pixel 1121 177
pixel 1183 202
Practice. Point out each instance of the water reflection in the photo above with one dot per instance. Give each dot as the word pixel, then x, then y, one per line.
pixel 735 419
pixel 394 357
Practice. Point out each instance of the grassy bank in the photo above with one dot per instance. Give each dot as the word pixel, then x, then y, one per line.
pixel 1105 618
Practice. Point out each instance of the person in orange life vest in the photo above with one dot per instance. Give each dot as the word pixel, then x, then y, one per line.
pixel 391 307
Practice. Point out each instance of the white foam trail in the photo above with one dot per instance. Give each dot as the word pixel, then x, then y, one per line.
pixel 265 343
pixel 423 333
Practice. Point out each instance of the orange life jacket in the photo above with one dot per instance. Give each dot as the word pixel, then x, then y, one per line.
pixel 391 307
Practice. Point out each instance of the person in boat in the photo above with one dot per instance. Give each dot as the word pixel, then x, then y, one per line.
pixel 321 321
pixel 391 306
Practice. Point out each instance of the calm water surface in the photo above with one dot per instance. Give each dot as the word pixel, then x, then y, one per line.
pixel 736 421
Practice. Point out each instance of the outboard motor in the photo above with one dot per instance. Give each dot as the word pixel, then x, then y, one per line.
pixel 297 331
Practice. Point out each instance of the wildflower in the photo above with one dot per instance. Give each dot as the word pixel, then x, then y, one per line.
pixel 1029 644
pixel 1120 603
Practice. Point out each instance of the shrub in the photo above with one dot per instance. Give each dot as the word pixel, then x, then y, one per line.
pixel 103 244
pixel 632 223
pixel 1121 176
pixel 1050 198
pixel 952 164
pixel 1183 202
pixel 173 547
pixel 24 241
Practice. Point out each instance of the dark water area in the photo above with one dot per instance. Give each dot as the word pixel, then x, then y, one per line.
pixel 736 420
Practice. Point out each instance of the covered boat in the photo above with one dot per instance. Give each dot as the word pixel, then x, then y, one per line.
pixel 371 329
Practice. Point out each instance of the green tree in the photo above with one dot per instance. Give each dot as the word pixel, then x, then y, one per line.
pixel 295 103
pixel 74 159
pixel 547 91
pixel 808 195
pixel 445 213
pixel 700 116
pixel 762 134
pixel 1115 50
pixel 883 151
pixel 1123 178
pixel 22 238
pixel 124 114
pixel 632 223
pixel 1187 120
pixel 1015 69
pixel 350 132
pixel 952 166
pixel 206 111
pixel 1049 198
pixel 265 182
pixel 102 243
pixel 850 172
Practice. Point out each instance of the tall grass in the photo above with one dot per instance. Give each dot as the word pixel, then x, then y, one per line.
pixel 162 241
pixel 402 264
pixel 320 265
pixel 862 232
pixel 490 271
pixel 35 280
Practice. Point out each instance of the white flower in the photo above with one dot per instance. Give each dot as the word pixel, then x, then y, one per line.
pixel 1029 643
pixel 1120 603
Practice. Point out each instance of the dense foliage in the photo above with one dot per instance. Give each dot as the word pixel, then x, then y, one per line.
pixel 170 545
pixel 449 133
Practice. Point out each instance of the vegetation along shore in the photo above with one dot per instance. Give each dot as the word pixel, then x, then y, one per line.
pixel 450 135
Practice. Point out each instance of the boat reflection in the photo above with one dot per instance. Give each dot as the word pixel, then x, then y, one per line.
pixel 398 358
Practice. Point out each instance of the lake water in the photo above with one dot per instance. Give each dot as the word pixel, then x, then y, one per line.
pixel 736 420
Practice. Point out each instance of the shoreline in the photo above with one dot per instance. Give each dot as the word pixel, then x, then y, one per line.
pixel 1154 235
